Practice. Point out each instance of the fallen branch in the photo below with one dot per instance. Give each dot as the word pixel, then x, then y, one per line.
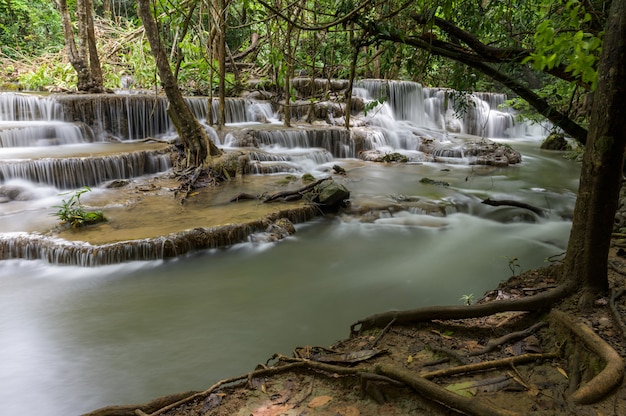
pixel 530 303
pixel 607 379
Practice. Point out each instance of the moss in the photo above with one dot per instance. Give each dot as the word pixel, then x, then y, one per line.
pixel 307 177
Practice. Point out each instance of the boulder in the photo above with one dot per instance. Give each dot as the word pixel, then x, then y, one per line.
pixel 330 195
pixel 556 141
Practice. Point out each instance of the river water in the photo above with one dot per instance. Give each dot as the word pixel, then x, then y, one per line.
pixel 75 339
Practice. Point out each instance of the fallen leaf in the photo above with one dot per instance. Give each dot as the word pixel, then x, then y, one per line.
pixel 465 388
pixel 409 359
pixel 270 409
pixel 560 370
pixel 349 411
pixel 319 401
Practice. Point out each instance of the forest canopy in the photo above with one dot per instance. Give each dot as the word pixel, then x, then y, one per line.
pixel 550 48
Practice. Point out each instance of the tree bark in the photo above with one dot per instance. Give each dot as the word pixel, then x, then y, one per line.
pixel 198 146
pixel 221 23
pixel 586 260
pixel 84 57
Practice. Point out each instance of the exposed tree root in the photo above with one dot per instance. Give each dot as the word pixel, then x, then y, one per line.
pixel 279 196
pixel 486 365
pixel 153 406
pixel 441 395
pixel 540 301
pixel 616 294
pixel 610 377
pixel 513 336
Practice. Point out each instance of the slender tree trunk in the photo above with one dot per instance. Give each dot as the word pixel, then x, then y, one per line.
pixel 77 60
pixel 198 145
pixel 97 82
pixel 600 179
pixel 221 22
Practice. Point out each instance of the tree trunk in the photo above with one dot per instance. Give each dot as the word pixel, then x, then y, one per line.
pixel 221 22
pixel 84 57
pixel 600 180
pixel 198 145
pixel 77 56
pixel 97 83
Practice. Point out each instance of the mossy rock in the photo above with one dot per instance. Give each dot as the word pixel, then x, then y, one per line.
pixel 556 141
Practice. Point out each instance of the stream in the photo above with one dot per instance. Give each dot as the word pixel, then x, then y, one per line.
pixel 77 338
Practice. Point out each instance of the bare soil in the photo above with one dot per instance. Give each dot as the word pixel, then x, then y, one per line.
pixel 534 371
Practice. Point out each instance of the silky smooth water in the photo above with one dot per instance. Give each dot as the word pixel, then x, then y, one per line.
pixel 75 339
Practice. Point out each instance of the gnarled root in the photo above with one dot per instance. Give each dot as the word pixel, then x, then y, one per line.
pixel 540 301
pixel 441 395
pixel 610 377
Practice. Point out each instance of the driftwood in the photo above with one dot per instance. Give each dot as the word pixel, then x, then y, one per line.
pixel 509 202
pixel 607 379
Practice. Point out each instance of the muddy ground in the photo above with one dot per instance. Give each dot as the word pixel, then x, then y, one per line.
pixel 535 372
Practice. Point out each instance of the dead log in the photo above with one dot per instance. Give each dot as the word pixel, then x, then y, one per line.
pixel 606 380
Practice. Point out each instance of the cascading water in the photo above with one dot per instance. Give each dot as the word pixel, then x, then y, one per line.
pixel 81 336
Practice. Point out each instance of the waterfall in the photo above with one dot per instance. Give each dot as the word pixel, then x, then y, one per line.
pixel 58 251
pixel 43 133
pixel 335 140
pixel 24 107
pixel 479 113
pixel 74 172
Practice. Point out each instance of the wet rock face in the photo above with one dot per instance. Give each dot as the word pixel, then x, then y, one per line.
pixel 492 154
pixel 14 193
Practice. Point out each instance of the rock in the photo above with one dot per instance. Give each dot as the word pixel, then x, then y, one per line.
pixel 429 181
pixel 556 141
pixel 117 183
pixel 378 156
pixel 490 153
pixel 330 195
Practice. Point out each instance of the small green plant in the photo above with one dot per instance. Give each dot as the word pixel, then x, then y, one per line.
pixel 513 264
pixel 467 299
pixel 373 104
pixel 72 212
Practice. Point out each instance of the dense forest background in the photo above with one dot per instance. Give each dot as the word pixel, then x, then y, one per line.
pixel 547 48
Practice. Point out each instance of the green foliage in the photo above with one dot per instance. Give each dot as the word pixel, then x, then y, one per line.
pixel 561 41
pixel 373 104
pixel 29 27
pixel 73 213
pixel 467 299
pixel 56 73
pixel 513 264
